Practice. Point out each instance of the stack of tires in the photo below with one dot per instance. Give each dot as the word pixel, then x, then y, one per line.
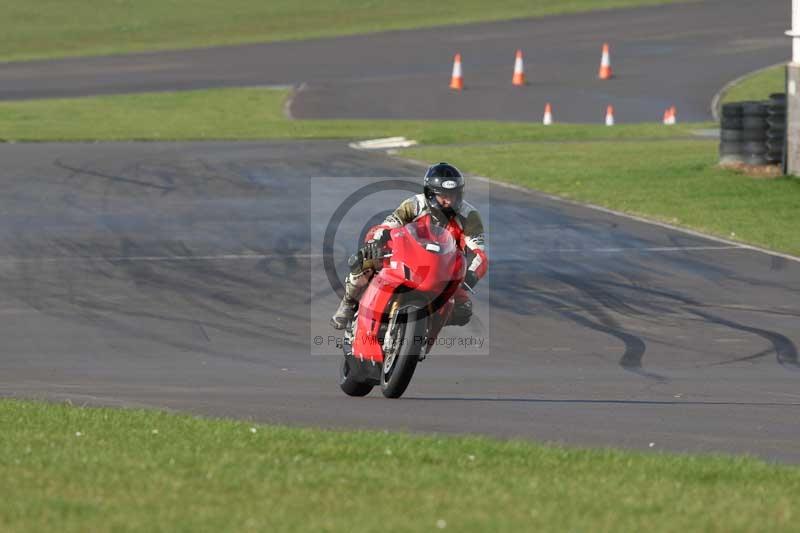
pixel 730 134
pixel 776 128
pixel 753 133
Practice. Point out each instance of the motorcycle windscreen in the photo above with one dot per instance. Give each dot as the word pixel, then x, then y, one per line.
pixel 427 254
pixel 431 236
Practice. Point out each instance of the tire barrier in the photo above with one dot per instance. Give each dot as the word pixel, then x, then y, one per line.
pixel 731 134
pixel 776 128
pixel 753 132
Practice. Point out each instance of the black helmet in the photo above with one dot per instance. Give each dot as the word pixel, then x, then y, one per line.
pixel 444 179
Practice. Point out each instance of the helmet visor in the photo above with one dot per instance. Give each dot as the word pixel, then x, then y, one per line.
pixel 450 198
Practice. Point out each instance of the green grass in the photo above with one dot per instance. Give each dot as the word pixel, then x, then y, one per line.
pixel 77 469
pixel 675 181
pixel 758 86
pixel 55 28
pixel 258 114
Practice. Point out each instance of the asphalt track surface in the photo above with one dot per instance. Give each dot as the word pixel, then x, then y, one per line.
pixel 188 277
pixel 662 56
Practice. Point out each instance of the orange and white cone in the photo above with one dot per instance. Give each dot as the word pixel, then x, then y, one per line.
pixel 519 70
pixel 548 115
pixel 610 115
pixel 670 116
pixel 605 72
pixel 457 80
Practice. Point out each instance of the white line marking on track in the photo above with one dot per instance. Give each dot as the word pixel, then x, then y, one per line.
pixel 716 101
pixel 636 249
pixel 287 105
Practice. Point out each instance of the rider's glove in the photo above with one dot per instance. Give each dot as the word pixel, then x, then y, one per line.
pixel 381 236
pixel 368 257
pixel 356 262
pixel 372 251
pixel 471 279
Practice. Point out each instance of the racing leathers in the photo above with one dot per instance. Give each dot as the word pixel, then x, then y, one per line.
pixel 466 227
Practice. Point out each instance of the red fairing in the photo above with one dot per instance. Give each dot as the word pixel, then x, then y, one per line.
pixel 426 264
pixel 371 307
pixel 458 234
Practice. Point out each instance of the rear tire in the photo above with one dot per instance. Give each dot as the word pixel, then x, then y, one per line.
pixel 731 159
pixel 754 135
pixel 754 109
pixel 733 109
pixel 730 148
pixel 754 148
pixel 777 100
pixel 755 160
pixel 777 124
pixel 754 122
pixel 411 324
pixel 731 135
pixel 731 122
pixel 348 383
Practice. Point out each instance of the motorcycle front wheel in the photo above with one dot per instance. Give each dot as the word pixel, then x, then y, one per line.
pixel 400 363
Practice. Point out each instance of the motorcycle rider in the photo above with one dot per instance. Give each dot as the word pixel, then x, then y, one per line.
pixel 442 199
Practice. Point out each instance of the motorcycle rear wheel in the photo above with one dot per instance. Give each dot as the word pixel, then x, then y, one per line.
pixel 349 384
pixel 410 328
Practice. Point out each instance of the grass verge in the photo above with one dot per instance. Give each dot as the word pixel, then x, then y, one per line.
pixel 757 86
pixel 56 28
pixel 258 114
pixel 79 469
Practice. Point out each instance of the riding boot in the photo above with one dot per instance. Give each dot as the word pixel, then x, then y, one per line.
pixel 354 286
pixel 462 312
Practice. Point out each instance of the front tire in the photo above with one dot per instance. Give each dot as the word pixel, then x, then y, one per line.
pixel 397 371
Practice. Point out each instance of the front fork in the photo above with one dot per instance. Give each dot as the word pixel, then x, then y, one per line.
pixel 390 343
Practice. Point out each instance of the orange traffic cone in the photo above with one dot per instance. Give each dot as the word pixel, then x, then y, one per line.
pixel 548 115
pixel 610 115
pixel 670 116
pixel 456 80
pixel 605 65
pixel 519 70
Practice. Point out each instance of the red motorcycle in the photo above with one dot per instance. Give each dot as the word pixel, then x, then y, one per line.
pixel 400 314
